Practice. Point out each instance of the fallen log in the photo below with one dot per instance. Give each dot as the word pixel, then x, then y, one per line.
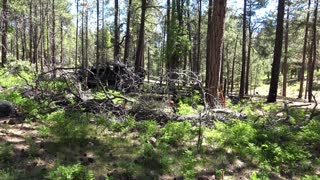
pixel 213 114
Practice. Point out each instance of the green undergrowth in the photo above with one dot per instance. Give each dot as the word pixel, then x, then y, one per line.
pixel 269 141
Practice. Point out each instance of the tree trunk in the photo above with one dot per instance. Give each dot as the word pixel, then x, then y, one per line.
pixel 308 65
pixel 17 42
pixel 189 33
pixel 103 47
pixel 42 35
pixel 5 11
pixel 247 81
pixel 30 31
pixel 48 57
pixel 275 70
pixel 285 60
pixel 24 38
pixel 128 35
pixel 216 17
pixel 149 65
pixel 314 46
pixel 35 39
pixel 246 89
pixel 199 38
pixel 222 66
pixel 53 36
pixel 97 37
pixel 304 51
pixel 233 63
pixel 139 64
pixel 83 64
pixel 228 70
pixel 116 32
pixel 61 42
pixel 243 66
pixel 87 39
pixel 77 35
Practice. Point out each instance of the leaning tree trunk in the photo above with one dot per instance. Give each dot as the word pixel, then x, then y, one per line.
pixel 272 97
pixel 304 51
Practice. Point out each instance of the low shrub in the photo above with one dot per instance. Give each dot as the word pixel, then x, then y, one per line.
pixel 177 133
pixel 71 172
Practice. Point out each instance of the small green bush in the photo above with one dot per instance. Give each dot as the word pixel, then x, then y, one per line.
pixel 147 129
pixel 176 133
pixel 185 109
pixel 72 172
pixel 188 166
pixel 238 135
pixel 69 126
pixel 33 147
pixel 311 133
pixel 5 152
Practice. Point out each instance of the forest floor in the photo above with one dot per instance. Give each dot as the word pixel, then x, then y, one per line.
pixel 113 135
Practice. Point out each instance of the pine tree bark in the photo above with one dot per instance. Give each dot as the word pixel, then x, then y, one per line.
pixel 83 64
pixel 77 35
pixel 97 37
pixel 244 37
pixel 128 34
pixel 233 64
pixel 5 11
pixel 222 66
pixel 149 65
pixel 216 17
pixel 53 36
pixel 35 39
pixel 275 70
pixel 42 36
pixel 17 42
pixel 189 34
pixel 24 38
pixel 314 47
pixel 227 82
pixel 87 38
pixel 249 51
pixel 310 54
pixel 116 31
pixel 61 41
pixel 305 41
pixel 285 60
pixel 139 63
pixel 247 81
pixel 30 31
pixel 198 64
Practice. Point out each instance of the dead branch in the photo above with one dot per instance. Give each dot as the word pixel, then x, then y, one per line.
pixel 313 112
